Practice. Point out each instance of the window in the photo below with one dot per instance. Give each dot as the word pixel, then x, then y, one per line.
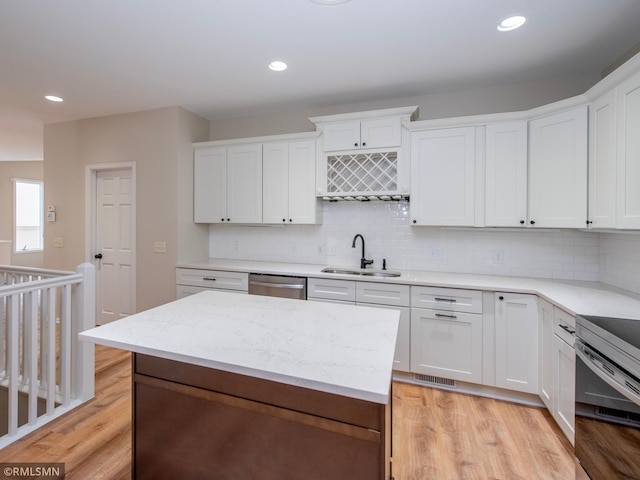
pixel 29 201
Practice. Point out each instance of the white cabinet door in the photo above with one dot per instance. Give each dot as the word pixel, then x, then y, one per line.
pixel 381 133
pixel 341 136
pixel 558 170
pixel 302 201
pixel 547 382
pixel 517 354
pixel 628 154
pixel 210 185
pixel 330 289
pixel 443 177
pixel 564 364
pixel 275 182
pixel 506 174
pixel 447 344
pixel 602 162
pixel 402 356
pixel 244 183
pixel 370 133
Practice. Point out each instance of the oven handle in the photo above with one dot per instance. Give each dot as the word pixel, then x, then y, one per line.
pixel 592 360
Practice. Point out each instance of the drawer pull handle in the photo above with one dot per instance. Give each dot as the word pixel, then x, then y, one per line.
pixel 567 329
pixel 209 279
pixel 445 315
pixel 450 300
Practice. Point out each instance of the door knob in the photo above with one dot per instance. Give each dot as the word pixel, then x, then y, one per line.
pixel 98 256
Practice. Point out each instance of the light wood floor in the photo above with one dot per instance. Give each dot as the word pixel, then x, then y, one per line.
pixel 438 434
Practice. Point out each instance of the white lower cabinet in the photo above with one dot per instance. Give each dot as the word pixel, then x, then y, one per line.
pixel 545 381
pixel 191 280
pixel 371 294
pixel 564 375
pixel 329 290
pixel 446 339
pixel 516 342
pixel 396 297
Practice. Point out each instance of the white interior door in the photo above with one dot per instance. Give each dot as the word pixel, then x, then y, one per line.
pixel 115 245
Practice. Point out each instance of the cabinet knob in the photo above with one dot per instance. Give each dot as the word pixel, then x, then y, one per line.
pixel 589 222
pixel 222 219
pixel 355 144
pixel 521 222
pixel 415 221
pixel 290 220
pixel 284 219
pixel 228 219
pixel 500 297
pixel 364 144
pixel 532 222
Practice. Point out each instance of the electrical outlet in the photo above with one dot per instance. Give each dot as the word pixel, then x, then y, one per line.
pixel 159 247
pixel 436 254
pixel 58 242
pixel 498 257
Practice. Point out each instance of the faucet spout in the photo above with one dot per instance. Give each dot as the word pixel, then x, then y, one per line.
pixel 363 261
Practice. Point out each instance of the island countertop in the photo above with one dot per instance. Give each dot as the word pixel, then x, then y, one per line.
pixel 341 349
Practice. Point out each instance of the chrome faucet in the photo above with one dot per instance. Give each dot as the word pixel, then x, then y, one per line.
pixel 363 261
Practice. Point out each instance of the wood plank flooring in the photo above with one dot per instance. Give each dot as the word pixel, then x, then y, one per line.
pixel 438 434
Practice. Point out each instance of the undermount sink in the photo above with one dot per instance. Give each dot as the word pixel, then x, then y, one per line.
pixel 365 273
pixel 380 274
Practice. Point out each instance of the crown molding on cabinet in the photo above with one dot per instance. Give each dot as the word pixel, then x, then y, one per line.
pixel 620 74
pixel 411 112
pixel 262 139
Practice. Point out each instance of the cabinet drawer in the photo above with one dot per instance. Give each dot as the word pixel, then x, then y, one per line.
pixel 213 279
pixel 564 325
pixel 451 299
pixel 331 289
pixel 383 294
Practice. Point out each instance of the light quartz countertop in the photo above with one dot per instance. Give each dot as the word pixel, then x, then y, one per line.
pixel 577 298
pixel 340 349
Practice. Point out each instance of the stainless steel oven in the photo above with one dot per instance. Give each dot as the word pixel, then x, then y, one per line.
pixel 607 430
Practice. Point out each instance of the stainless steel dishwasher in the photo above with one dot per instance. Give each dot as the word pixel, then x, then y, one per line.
pixel 278 286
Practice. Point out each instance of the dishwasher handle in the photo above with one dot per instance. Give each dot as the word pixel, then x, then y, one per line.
pixel 276 285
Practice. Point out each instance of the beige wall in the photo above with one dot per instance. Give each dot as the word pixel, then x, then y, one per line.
pixel 484 100
pixel 9 171
pixel 159 142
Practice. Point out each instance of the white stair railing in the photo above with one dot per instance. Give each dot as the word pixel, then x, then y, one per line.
pixel 45 370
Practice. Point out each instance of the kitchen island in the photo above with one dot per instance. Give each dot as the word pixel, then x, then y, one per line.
pixel 232 386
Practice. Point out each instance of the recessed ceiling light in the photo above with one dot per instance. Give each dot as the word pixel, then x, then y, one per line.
pixel 329 2
pixel 53 98
pixel 511 23
pixel 278 66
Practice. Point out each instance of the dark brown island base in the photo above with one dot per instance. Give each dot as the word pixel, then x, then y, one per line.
pixel 192 422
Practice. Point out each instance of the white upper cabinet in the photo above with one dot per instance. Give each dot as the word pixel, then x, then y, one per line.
pixel 558 170
pixel 210 185
pixel 275 182
pixel 506 174
pixel 289 182
pixel 602 162
pixel 628 153
pixel 443 176
pixel 244 184
pixel 372 133
pixel 361 154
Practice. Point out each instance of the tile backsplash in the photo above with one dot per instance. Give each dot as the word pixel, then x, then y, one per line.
pixel 386 227
pixel 619 260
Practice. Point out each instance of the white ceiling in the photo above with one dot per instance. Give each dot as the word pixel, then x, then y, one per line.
pixel 211 56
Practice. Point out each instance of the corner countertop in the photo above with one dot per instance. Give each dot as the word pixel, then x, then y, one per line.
pixel 341 349
pixel 575 297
